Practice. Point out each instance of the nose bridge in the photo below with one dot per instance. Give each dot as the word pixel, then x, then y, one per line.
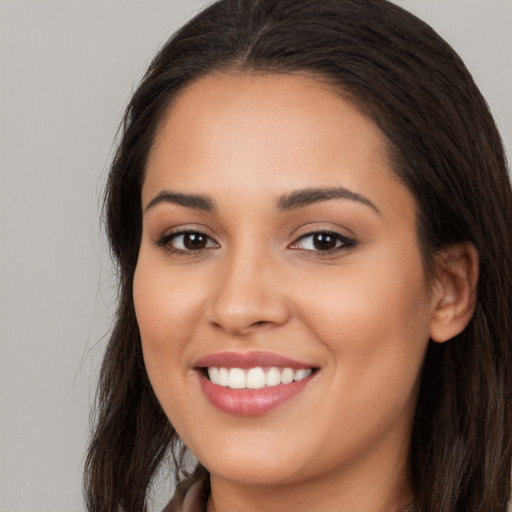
pixel 247 295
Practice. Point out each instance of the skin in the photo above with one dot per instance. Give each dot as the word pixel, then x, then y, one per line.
pixel 361 314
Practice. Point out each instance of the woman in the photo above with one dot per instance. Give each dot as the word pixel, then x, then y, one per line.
pixel 309 207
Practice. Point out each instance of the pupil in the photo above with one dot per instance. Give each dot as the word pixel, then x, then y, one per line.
pixel 194 241
pixel 324 242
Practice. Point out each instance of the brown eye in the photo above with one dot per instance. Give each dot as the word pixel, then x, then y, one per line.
pixel 194 241
pixel 323 242
pixel 187 242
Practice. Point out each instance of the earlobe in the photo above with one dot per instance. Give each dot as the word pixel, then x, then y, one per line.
pixel 454 297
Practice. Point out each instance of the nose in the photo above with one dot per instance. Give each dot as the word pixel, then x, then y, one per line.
pixel 248 296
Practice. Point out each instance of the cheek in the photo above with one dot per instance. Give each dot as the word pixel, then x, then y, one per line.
pixel 373 318
pixel 386 289
pixel 374 325
pixel 166 313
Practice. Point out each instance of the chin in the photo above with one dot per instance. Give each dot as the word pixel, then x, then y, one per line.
pixel 253 471
pixel 250 459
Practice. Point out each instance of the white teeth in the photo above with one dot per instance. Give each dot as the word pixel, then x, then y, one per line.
pixel 255 378
pixel 236 378
pixel 223 377
pixel 287 376
pixel 213 374
pixel 301 374
pixel 273 377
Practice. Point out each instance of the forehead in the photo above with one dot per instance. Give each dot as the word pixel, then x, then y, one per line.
pixel 265 134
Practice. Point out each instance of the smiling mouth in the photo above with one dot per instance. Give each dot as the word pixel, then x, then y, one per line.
pixel 255 378
pixel 252 383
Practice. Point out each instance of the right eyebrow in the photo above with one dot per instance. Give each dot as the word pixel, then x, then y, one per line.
pixel 195 201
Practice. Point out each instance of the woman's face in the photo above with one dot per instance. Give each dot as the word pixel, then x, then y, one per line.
pixel 279 253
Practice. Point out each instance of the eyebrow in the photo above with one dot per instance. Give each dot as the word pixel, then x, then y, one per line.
pixel 195 201
pixel 287 202
pixel 308 196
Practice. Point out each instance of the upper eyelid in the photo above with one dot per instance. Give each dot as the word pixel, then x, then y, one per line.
pixel 181 229
pixel 323 227
pixel 322 230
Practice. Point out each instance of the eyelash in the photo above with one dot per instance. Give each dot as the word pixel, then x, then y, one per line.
pixel 165 243
pixel 342 243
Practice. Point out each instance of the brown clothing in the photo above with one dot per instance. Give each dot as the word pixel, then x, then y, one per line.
pixel 195 500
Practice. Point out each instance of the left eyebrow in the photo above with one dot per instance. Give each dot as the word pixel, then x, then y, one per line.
pixel 308 196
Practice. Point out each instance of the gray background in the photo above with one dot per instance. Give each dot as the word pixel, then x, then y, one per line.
pixel 67 68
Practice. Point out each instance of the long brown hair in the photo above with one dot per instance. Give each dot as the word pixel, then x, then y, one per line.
pixel 446 150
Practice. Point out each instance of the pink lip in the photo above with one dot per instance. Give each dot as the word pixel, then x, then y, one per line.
pixel 249 402
pixel 246 360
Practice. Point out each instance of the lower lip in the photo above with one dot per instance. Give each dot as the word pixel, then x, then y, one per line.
pixel 250 402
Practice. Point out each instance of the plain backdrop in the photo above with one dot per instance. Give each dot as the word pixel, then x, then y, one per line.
pixel 67 68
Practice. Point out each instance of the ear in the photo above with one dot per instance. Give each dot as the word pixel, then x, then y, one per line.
pixel 454 295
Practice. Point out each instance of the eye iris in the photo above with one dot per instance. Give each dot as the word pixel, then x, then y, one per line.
pixel 324 241
pixel 194 241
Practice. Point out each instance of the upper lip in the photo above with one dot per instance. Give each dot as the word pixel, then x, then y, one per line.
pixel 246 360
